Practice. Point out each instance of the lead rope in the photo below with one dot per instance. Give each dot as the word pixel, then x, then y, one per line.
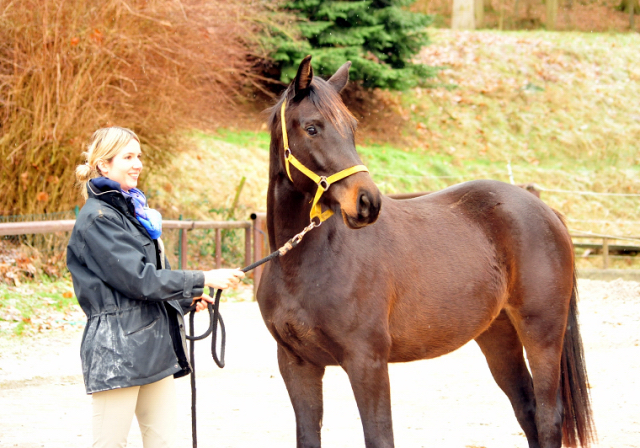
pixel 215 317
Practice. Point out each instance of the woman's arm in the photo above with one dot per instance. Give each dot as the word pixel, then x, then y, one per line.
pixel 118 258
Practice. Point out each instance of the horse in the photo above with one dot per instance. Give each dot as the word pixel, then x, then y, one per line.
pixel 404 280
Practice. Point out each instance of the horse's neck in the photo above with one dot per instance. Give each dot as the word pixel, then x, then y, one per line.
pixel 287 211
pixel 285 205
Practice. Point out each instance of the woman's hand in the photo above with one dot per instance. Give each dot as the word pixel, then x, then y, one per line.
pixel 222 278
pixel 201 302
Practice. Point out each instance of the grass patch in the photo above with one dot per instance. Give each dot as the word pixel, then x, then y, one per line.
pixel 240 137
pixel 555 109
pixel 38 306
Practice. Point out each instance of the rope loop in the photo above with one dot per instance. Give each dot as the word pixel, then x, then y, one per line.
pixel 215 318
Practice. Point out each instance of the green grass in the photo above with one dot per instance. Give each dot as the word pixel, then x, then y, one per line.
pixel 239 137
pixel 559 110
pixel 37 306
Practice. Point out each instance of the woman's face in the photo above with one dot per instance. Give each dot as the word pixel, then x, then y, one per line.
pixel 125 167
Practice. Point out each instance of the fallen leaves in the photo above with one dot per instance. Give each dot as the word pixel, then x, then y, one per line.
pixel 38 307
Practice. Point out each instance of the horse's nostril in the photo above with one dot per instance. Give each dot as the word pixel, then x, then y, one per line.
pixel 364 205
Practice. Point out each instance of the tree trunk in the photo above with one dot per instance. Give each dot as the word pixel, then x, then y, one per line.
pixel 463 15
pixel 552 14
pixel 624 6
pixel 568 7
pixel 479 10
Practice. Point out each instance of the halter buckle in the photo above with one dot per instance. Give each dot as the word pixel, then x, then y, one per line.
pixel 287 153
pixel 324 183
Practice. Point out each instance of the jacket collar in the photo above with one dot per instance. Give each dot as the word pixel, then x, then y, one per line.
pixel 108 191
pixel 104 184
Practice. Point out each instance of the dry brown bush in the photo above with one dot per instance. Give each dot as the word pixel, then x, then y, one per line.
pixel 70 67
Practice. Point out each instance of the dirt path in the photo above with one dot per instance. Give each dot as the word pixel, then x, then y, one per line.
pixel 447 402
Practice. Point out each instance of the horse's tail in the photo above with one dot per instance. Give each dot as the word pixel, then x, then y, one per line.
pixel 578 426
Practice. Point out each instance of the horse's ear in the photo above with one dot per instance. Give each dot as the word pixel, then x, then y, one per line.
pixel 304 76
pixel 341 77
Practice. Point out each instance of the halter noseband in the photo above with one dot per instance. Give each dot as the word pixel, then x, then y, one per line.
pixel 323 182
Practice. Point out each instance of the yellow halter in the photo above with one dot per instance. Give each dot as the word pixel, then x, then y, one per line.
pixel 323 182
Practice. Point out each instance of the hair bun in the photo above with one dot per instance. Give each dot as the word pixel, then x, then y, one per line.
pixel 83 172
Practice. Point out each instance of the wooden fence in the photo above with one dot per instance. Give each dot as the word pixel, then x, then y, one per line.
pixel 605 248
pixel 35 227
pixel 256 241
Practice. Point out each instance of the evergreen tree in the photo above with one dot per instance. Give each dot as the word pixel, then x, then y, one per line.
pixel 379 37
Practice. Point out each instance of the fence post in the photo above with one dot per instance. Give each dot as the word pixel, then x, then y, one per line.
pixel 258 224
pixel 180 245
pixel 247 246
pixel 218 249
pixel 184 243
pixel 605 253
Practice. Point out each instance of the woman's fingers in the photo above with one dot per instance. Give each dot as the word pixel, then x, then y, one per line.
pixel 222 278
pixel 201 302
pixel 218 279
pixel 206 298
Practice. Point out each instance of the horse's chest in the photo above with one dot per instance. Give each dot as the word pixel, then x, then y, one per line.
pixel 298 332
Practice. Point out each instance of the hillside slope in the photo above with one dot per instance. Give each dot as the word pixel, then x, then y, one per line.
pixel 561 110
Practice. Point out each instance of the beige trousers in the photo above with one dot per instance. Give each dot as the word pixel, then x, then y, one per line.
pixel 154 406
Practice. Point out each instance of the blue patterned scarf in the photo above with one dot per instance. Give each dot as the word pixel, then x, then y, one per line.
pixel 149 218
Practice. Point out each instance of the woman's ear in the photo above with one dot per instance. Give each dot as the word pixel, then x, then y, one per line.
pixel 103 167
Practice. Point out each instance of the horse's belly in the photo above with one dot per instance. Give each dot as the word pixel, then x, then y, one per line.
pixel 426 345
pixel 424 327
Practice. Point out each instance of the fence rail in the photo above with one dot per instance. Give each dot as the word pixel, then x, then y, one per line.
pixel 184 226
pixel 33 227
pixel 606 249
pixel 256 241
pixel 66 225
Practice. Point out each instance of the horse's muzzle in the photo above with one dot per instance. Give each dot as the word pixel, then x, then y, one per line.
pixel 367 209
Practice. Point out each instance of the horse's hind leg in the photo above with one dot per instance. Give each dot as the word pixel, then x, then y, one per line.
pixel 542 337
pixel 304 384
pixel 502 348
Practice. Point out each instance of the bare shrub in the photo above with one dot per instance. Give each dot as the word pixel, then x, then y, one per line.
pixel 70 67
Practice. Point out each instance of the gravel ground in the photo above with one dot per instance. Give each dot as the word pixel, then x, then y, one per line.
pixel 447 402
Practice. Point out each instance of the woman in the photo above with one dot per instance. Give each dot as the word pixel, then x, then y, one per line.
pixel 134 342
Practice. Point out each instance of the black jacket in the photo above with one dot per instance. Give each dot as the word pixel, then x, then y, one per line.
pixel 135 323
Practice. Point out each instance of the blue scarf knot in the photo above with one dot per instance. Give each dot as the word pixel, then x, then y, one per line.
pixel 149 218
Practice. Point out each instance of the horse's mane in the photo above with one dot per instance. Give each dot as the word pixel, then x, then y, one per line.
pixel 324 97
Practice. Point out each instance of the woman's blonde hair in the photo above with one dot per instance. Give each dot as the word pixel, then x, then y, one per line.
pixel 105 144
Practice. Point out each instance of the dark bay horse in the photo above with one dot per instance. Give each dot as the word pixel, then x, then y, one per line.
pixel 396 281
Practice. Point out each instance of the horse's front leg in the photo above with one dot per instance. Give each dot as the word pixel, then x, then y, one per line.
pixel 304 384
pixel 366 366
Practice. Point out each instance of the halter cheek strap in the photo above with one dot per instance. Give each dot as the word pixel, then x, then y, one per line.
pixel 323 182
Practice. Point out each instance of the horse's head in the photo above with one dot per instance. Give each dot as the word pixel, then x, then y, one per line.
pixel 321 158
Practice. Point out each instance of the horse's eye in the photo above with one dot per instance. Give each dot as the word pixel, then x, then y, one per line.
pixel 311 130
